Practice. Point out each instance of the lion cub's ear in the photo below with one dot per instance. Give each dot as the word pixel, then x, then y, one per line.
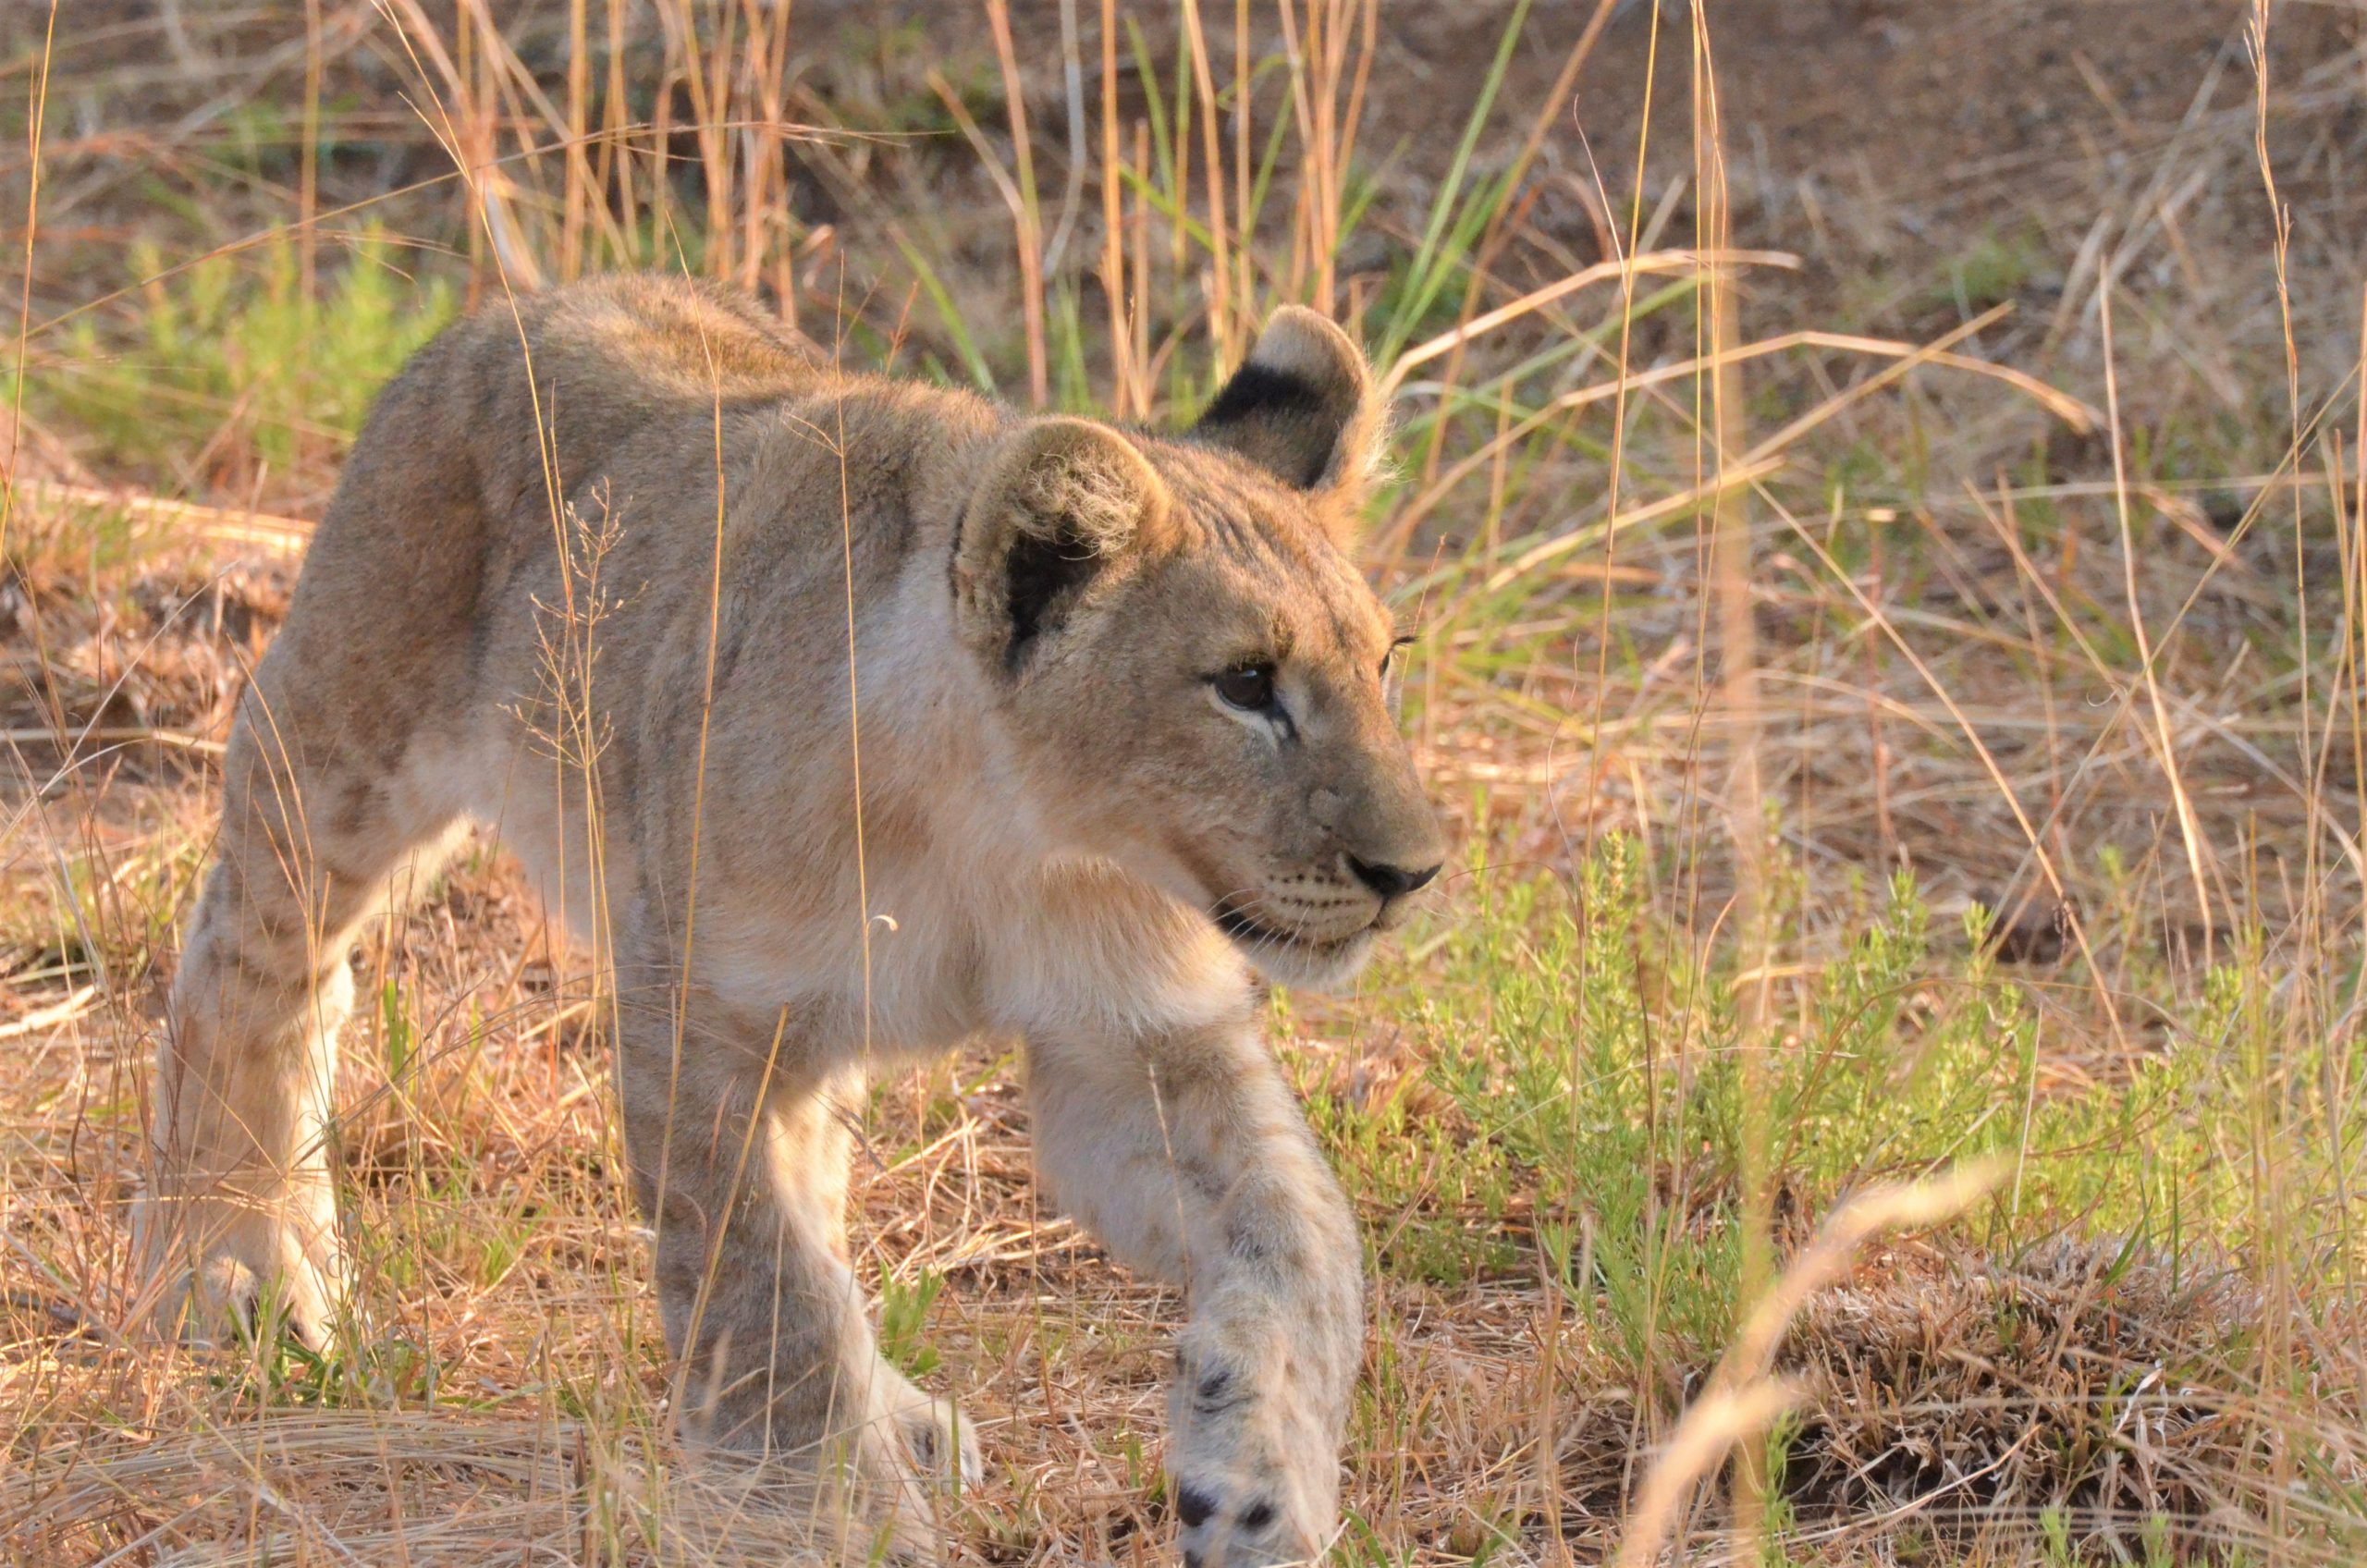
pixel 1302 406
pixel 1060 501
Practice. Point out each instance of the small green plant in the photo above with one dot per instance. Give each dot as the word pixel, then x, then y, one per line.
pixel 1779 1516
pixel 233 340
pixel 401 1034
pixel 903 1316
pixel 1580 1103
pixel 362 1370
pixel 2055 1528
pixel 1994 271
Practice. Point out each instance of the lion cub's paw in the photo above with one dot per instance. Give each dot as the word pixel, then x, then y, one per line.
pixel 929 1457
pixel 1249 1493
pixel 1256 1482
pixel 250 1275
pixel 943 1446
pixel 1238 1522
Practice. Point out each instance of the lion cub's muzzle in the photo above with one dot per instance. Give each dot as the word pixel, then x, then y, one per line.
pixel 1318 928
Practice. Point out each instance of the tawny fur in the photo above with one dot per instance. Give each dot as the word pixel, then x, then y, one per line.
pixel 646 613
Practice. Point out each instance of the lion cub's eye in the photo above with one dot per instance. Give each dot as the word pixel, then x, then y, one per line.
pixel 1249 687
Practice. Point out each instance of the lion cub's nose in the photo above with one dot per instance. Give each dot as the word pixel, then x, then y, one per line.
pixel 1390 881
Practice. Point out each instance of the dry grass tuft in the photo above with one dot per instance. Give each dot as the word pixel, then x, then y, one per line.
pixel 2078 1396
pixel 445 1490
pixel 1982 1393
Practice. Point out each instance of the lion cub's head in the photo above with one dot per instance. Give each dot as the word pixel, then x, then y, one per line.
pixel 1197 677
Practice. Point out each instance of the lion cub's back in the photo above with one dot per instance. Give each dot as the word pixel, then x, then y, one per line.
pixel 610 356
pixel 674 337
pixel 445 502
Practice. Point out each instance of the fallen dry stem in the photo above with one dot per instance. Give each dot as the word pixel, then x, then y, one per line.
pixel 1742 1397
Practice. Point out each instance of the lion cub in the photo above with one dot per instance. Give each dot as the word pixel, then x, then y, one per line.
pixel 898 718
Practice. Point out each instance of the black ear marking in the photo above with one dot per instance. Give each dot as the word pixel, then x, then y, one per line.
pixel 1300 420
pixel 1257 390
pixel 1302 406
pixel 1042 576
pixel 1061 503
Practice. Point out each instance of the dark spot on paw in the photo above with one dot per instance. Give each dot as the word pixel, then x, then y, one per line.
pixel 1258 1515
pixel 1248 1244
pixel 1193 1507
pixel 1218 1393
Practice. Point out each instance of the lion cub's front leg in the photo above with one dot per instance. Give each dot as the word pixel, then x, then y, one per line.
pixel 242 1214
pixel 1186 1154
pixel 739 1158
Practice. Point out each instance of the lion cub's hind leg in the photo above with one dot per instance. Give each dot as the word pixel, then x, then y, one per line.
pixel 240 1210
pixel 739 1151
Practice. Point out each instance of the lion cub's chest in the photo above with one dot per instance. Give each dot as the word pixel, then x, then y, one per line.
pixel 914 982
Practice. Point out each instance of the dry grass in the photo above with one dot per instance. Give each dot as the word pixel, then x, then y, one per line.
pixel 1961 474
